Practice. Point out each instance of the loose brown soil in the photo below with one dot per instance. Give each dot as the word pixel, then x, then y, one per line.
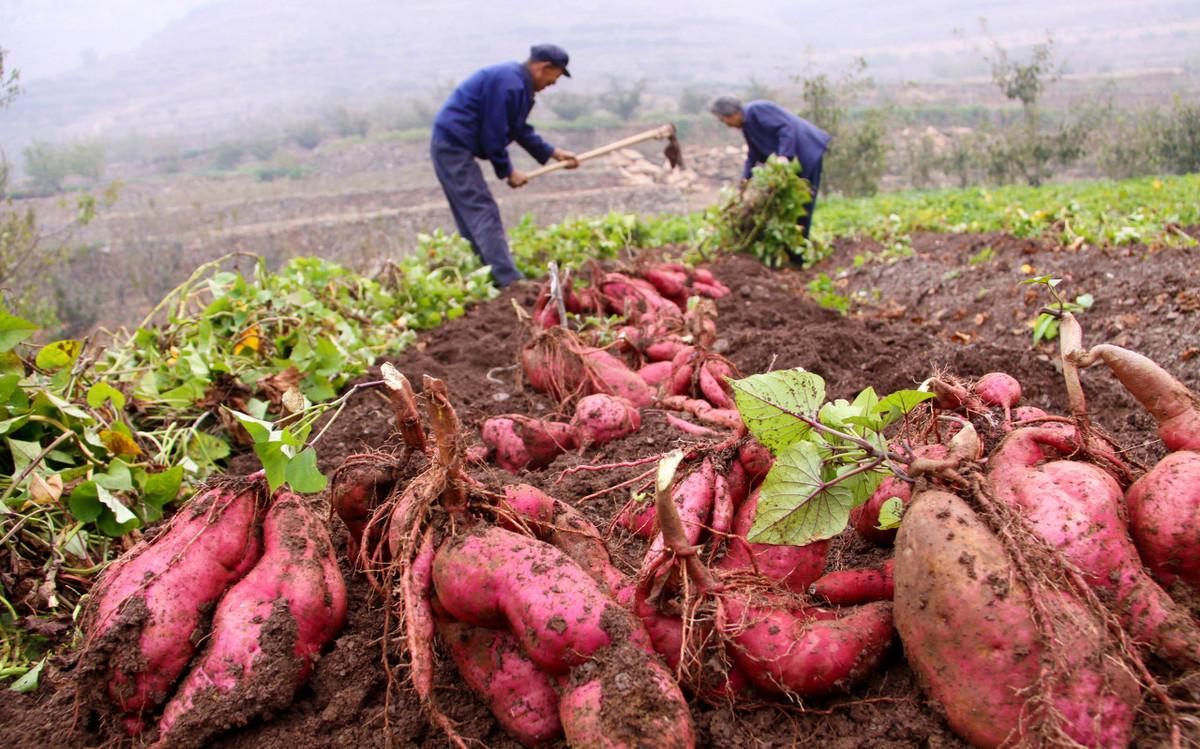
pixel 934 311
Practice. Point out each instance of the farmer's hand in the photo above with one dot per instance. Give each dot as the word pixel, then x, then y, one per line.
pixel 567 156
pixel 517 178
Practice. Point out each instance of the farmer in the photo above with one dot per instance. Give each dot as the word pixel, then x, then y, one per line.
pixel 483 115
pixel 771 129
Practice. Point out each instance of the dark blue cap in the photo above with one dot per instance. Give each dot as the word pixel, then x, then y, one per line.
pixel 551 53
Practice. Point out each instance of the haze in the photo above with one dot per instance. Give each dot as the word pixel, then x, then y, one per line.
pixel 164 65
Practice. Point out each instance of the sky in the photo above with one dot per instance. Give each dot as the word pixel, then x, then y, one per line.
pixel 45 38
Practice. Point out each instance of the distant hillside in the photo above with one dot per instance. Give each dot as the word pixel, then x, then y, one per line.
pixel 232 61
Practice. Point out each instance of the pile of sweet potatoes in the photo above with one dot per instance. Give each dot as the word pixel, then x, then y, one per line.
pixel 267 566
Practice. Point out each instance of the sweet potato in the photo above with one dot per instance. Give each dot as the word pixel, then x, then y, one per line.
pixel 806 652
pixel 524 442
pixel 150 608
pixel 693 495
pixel 519 694
pixel 854 586
pixel 622 699
pixel 672 284
pixel 1077 508
pixel 610 375
pixel 601 418
pixel 665 350
pixel 865 517
pixel 267 631
pixel 498 579
pixel 1164 518
pixel 656 373
pixel 966 619
pixel 998 389
pixel 359 484
pixel 756 459
pixel 794 566
pixel 1173 406
pixel 564 527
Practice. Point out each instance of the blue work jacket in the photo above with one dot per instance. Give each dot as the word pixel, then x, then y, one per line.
pixel 771 129
pixel 488 111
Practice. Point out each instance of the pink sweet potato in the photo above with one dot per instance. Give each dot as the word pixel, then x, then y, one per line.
pixel 807 652
pixel 564 527
pixel 150 608
pixel 794 566
pixel 756 459
pixel 611 375
pixel 267 631
pixel 998 389
pixel 1164 518
pixel 665 350
pixel 865 517
pixel 692 494
pixel 854 586
pixel 524 442
pixel 656 373
pixel 520 695
pixel 1077 508
pixel 622 699
pixel 1173 406
pixel 967 622
pixel 672 284
pixel 498 579
pixel 601 418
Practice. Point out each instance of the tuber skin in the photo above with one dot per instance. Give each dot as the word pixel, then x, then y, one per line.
pixel 1077 508
pixel 520 695
pixel 498 579
pixel 967 623
pixel 796 567
pixel 521 442
pixel 150 607
pixel 1164 518
pixel 601 418
pixel 1173 406
pixel 855 586
pixel 268 630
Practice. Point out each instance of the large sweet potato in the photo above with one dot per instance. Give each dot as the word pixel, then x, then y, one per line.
pixel 794 566
pixel 966 619
pixel 498 579
pixel 150 608
pixel 1164 518
pixel 1077 508
pixel 267 632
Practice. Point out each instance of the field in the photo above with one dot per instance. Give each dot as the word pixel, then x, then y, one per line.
pixel 920 303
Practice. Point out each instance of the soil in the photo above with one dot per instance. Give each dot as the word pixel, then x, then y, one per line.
pixel 950 307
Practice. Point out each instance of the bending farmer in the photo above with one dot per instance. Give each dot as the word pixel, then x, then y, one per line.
pixel 771 129
pixel 483 115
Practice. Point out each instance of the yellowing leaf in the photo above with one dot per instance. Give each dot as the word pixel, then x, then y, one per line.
pixel 45 491
pixel 119 444
pixel 1026 268
pixel 248 341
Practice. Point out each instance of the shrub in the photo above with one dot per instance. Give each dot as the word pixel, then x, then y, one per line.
pixel 570 107
pixel 693 101
pixel 623 100
pixel 307 134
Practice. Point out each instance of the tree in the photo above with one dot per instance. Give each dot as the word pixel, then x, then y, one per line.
pixel 1031 148
pixel 693 101
pixel 9 87
pixel 857 157
pixel 623 100
pixel 568 106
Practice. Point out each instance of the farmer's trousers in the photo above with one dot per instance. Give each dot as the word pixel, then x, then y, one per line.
pixel 814 180
pixel 475 211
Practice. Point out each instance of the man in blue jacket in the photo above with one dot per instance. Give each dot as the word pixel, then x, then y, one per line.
pixel 770 129
pixel 483 115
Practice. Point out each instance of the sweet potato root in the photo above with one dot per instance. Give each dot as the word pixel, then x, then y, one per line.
pixel 519 694
pixel 601 418
pixel 267 631
pixel 1164 518
pixel 150 608
pixel 1077 508
pixel 794 566
pixel 523 442
pixel 968 626
pixel 855 586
